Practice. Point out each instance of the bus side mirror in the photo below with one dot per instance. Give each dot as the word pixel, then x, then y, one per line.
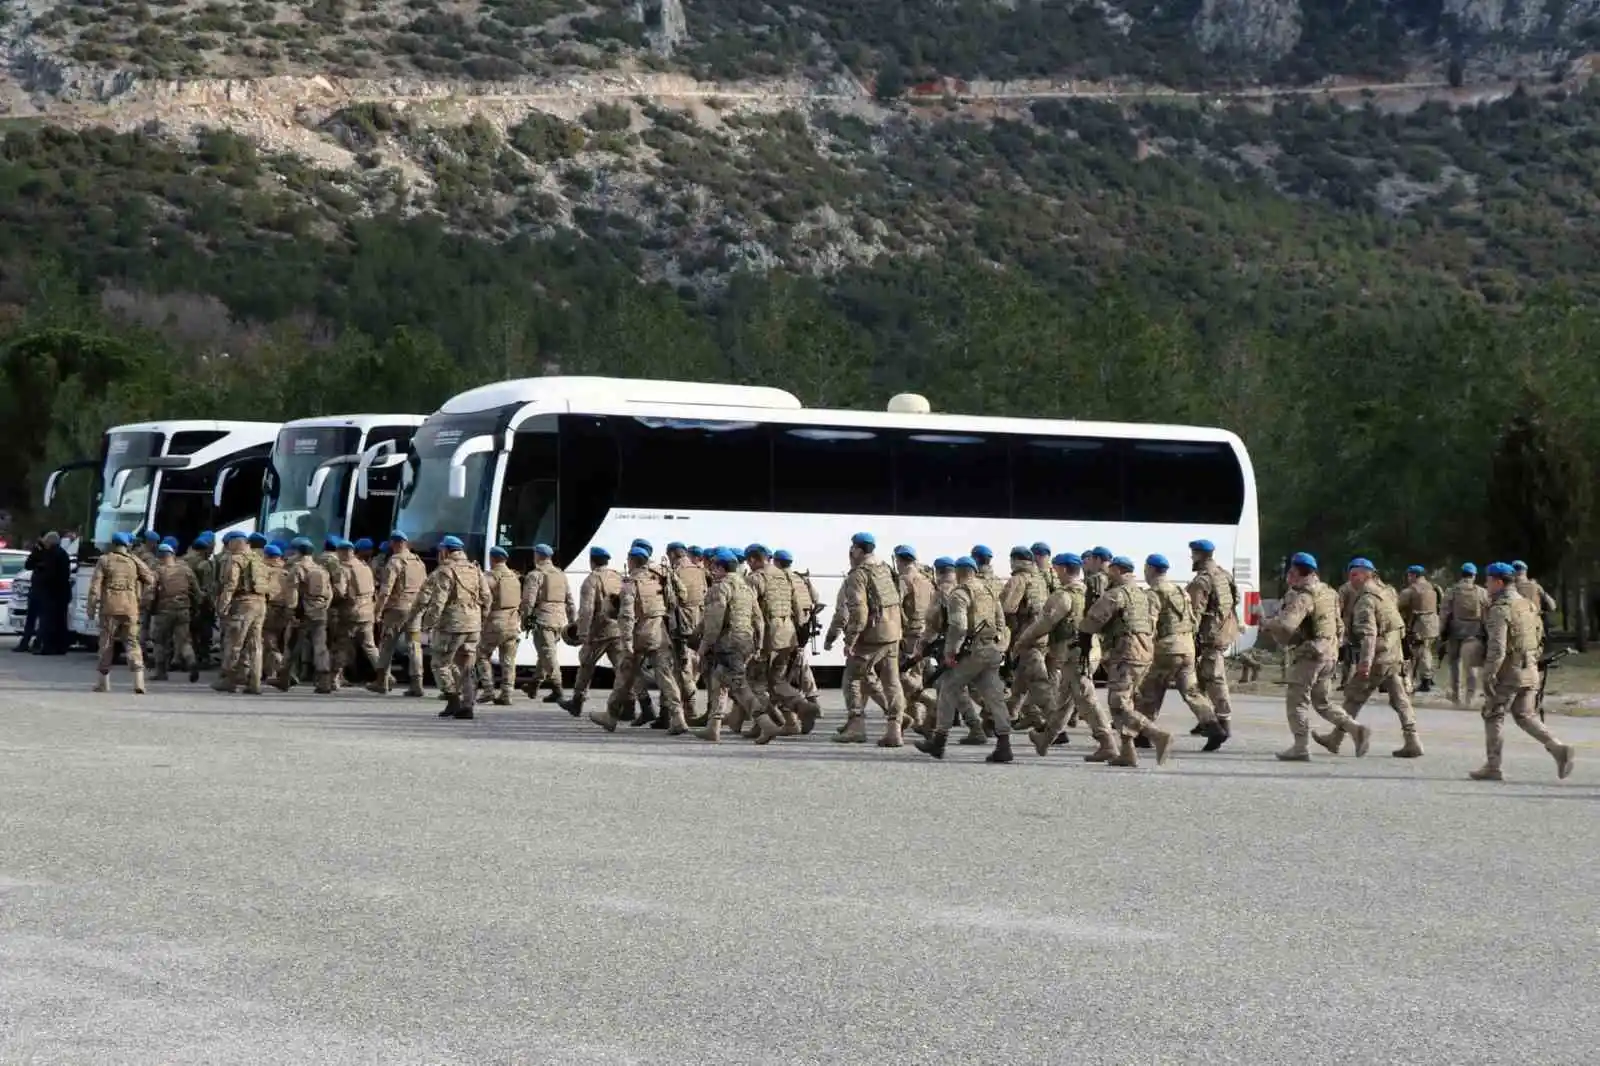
pixel 458 483
pixel 119 484
pixel 50 486
pixel 381 457
pixel 319 478
pixel 222 480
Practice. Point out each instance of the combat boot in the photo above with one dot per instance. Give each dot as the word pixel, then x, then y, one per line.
pixel 1216 734
pixel 556 695
pixel 1363 737
pixel 1199 730
pixel 1002 750
pixel 104 684
pixel 768 728
pixel 604 719
pixel 975 738
pixel 735 718
pixel 1041 741
pixel 325 687
pixel 626 714
pixel 452 704
pixel 676 726
pixel 138 682
pixel 574 706
pixel 379 686
pixel 934 745
pixel 809 716
pixel 1142 742
pixel 854 732
pixel 647 712
pixel 463 710
pixel 1411 748
pixel 1426 686
pixel 712 731
pixel 194 674
pixel 1486 772
pixel 892 737
pixel 1299 751
pixel 158 674
pixel 1105 752
pixel 502 699
pixel 662 719
pixel 1127 753
pixel 222 684
pixel 1565 755
pixel 1333 740
pixel 791 724
pixel 1161 741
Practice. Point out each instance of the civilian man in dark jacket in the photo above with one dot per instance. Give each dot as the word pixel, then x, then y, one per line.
pixel 52 578
pixel 30 627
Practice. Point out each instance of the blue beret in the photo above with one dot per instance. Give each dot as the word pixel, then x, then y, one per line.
pixel 164 548
pixel 1041 548
pixel 272 551
pixel 638 551
pixel 1305 559
pixel 649 549
pixel 1101 552
pixel 152 536
pixel 864 540
pixel 905 551
pixel 944 562
pixel 783 555
pixel 231 536
pixel 1502 570
pixel 124 539
pixel 1518 564
pixel 966 562
pixel 1469 568
pixel 303 544
pixel 677 546
pixel 1157 561
pixel 206 539
pixel 257 539
pixel 1123 562
pixel 397 535
pixel 451 542
pixel 981 551
pixel 543 549
pixel 1202 545
pixel 1361 562
pixel 757 549
pixel 695 552
pixel 170 541
pixel 1020 552
pixel 1068 559
pixel 281 543
pixel 498 552
pixel 364 544
pixel 598 552
pixel 1416 568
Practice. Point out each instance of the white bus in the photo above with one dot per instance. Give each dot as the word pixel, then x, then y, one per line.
pixel 575 462
pixel 336 475
pixel 177 478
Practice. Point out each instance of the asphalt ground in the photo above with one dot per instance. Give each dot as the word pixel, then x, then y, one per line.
pixel 193 878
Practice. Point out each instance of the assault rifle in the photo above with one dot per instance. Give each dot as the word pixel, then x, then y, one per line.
pixel 1547 664
pixel 936 650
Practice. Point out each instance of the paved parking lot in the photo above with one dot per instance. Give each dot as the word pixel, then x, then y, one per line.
pixel 190 878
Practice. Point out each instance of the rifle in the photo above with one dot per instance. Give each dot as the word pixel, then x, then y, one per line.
pixel 1546 664
pixel 936 650
pixel 1085 654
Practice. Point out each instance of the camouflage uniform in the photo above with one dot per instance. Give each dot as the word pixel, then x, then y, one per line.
pixel 1173 664
pixel 1466 607
pixel 1511 676
pixel 1419 607
pixel 869 616
pixel 729 629
pixel 119 584
pixel 1307 626
pixel 242 603
pixel 1215 599
pixel 177 595
pixel 973 622
pixel 1072 657
pixel 547 607
pixel 642 629
pixel 403 579
pixel 502 632
pixel 599 600
pixel 1022 600
pixel 1375 632
pixel 451 608
pixel 1122 617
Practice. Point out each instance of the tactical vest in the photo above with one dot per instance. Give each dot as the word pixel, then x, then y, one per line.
pixel 1322 621
pixel 800 593
pixel 1524 633
pixel 121 574
pixel 506 588
pixel 1465 604
pixel 649 593
pixel 692 585
pixel 316 589
pixel 1066 630
pixel 411 574
pixel 986 614
pixel 173 582
pixel 251 581
pixel 286 593
pixel 777 597
pixel 1427 597
pixel 1133 613
pixel 361 582
pixel 553 589
pixel 1095 585
pixel 1218 619
pixel 465 585
pixel 1175 618
pixel 883 603
pixel 737 603
pixel 916 600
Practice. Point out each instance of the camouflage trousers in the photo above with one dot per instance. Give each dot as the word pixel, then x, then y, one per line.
pixel 170 634
pixel 1030 682
pixel 124 628
pixel 589 657
pixel 770 679
pixel 1465 659
pixel 242 631
pixel 399 626
pixel 658 658
pixel 978 670
pixel 1172 670
pixel 1211 670
pixel 1123 679
pixel 276 632
pixel 1311 688
pixel 311 641
pixel 1520 701
pixel 1385 678
pixel 546 641
pixel 501 644
pixel 1075 694
pixel 730 668
pixel 453 657
pixel 869 663
pixel 353 634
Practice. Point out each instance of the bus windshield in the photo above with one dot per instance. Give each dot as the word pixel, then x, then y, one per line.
pixel 427 512
pixel 124 507
pixel 295 459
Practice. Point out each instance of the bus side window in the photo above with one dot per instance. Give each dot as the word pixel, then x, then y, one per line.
pixel 823 470
pixel 951 475
pixel 1178 481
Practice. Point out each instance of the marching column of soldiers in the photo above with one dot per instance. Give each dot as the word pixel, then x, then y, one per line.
pixel 925 645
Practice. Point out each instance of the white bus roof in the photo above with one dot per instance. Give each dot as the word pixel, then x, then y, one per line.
pixel 358 421
pixel 681 399
pixel 198 425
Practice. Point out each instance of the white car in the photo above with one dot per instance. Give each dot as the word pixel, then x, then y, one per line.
pixel 12 565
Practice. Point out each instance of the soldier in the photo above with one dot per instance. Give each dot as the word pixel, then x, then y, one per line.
pixel 403 579
pixel 1042 563
pixel 972 657
pixel 277 631
pixel 1543 603
pixel 1096 582
pixel 547 607
pixel 313 600
pixel 869 619
pixel 1419 608
pixel 177 593
pixel 807 610
pixel 1122 617
pixel 599 599
pixel 642 626
pixel 779 637
pixel 1347 605
pixel 983 555
pixel 1215 599
pixel 1022 601
pixel 242 604
pixel 117 588
pixel 1307 626
pixel 451 608
pixel 916 610
pixel 204 618
pixel 730 629
pixel 689 587
pixel 1466 606
pixel 1511 674
pixel 1071 659
pixel 1173 661
pixel 354 622
pixel 145 551
pixel 1375 634
pixel 502 628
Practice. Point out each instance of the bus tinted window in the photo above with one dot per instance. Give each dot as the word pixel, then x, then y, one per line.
pixel 1173 481
pixel 1066 479
pixel 528 504
pixel 590 465
pixel 838 471
pixel 951 474
pixel 693 464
